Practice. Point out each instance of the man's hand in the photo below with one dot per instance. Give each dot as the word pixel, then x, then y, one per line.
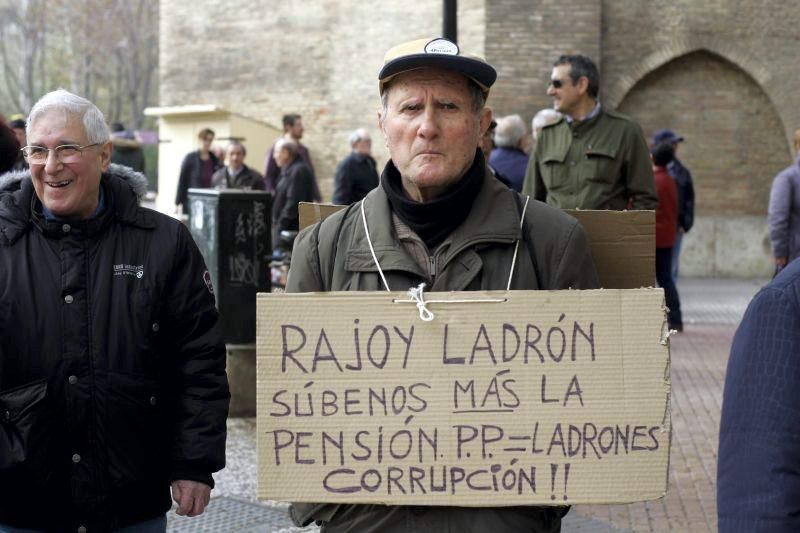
pixel 191 497
pixel 781 261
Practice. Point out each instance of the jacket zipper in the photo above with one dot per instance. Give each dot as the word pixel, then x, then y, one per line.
pixel 432 267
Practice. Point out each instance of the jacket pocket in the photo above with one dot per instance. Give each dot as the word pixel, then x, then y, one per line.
pixel 555 172
pixel 25 433
pixel 135 430
pixel 599 164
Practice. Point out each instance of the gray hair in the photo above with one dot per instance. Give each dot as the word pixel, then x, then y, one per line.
pixel 361 134
pixel 233 143
pixel 510 130
pixel 289 146
pixel 71 104
pixel 543 118
pixel 475 92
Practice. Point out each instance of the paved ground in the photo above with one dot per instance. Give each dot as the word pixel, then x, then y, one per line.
pixel 711 309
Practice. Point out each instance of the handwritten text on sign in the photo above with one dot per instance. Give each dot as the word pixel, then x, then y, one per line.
pixel 522 397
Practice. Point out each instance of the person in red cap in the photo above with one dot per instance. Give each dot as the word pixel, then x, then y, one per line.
pixel 440 217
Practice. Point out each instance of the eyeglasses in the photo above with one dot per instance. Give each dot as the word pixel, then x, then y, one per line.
pixel 556 83
pixel 66 153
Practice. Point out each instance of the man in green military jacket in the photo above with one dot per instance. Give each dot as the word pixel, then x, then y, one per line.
pixel 592 158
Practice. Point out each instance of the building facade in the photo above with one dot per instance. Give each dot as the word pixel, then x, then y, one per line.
pixel 716 72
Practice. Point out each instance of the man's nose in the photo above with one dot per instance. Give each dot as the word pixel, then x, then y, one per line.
pixel 52 163
pixel 429 127
pixel 551 91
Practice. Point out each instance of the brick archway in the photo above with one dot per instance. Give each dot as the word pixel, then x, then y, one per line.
pixel 734 134
pixel 759 70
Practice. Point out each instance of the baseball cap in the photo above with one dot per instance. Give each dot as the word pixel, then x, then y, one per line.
pixel 666 136
pixel 436 52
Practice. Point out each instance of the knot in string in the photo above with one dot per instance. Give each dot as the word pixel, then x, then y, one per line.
pixel 416 294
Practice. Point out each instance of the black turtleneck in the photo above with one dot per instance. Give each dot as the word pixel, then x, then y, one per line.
pixel 433 221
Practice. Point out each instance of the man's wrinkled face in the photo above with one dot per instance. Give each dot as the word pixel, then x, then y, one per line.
pixel 568 96
pixel 235 157
pixel 72 189
pixel 431 129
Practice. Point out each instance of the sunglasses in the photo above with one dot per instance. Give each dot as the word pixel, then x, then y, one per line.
pixel 556 83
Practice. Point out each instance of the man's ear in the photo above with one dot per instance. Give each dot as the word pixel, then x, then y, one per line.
pixel 105 155
pixel 486 120
pixel 582 85
pixel 383 131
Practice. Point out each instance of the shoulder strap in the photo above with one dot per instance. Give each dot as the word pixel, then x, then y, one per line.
pixel 327 277
pixel 530 245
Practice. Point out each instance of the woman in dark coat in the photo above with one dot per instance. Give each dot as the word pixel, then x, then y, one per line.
pixel 197 168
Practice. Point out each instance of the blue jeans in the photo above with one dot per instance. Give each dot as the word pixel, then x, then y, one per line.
pixel 664 278
pixel 676 255
pixel 156 525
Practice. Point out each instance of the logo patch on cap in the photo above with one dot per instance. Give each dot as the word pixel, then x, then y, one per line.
pixel 441 46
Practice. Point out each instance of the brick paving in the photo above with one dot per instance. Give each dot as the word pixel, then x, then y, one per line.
pixel 711 308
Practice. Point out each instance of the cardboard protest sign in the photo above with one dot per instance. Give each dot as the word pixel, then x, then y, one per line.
pixel 623 246
pixel 311 213
pixel 503 398
pixel 623 243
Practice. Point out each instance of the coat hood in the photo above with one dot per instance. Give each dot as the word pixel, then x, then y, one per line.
pixel 12 181
pixel 16 191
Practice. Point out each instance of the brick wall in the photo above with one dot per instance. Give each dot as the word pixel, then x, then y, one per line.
pixel 315 57
pixel 718 71
pixel 734 138
pixel 524 37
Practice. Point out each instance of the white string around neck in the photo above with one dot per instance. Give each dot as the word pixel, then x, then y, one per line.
pixel 516 246
pixel 416 293
pixel 371 248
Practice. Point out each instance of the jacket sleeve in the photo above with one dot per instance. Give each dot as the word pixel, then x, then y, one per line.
pixel 299 189
pixel 780 200
pixel 219 180
pixel 342 188
pixel 271 171
pixel 575 269
pixel 304 271
pixel 687 202
pixel 638 170
pixel 183 181
pixel 257 179
pixel 197 366
pixel 758 475
pixel 533 184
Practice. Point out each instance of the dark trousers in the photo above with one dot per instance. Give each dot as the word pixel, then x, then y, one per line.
pixel 665 281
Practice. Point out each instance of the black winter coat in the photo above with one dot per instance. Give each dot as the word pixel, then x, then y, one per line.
pixel 112 367
pixel 355 176
pixel 191 174
pixel 296 185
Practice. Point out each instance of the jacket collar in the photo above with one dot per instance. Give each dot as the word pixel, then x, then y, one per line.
pixel 494 218
pixel 21 209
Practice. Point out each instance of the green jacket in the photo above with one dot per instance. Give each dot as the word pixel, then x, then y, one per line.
pixel 600 163
pixel 334 256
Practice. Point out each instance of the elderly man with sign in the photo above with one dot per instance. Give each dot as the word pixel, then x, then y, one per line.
pixel 438 217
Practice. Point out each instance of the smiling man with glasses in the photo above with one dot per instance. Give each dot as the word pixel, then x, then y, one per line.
pixel 592 158
pixel 112 367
